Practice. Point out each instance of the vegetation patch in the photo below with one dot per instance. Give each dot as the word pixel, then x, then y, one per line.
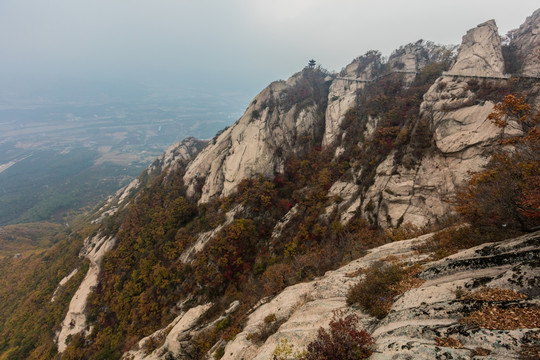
pixel 449 342
pixel 374 294
pixel 269 327
pixel 451 240
pixel 342 341
pixel 490 294
pixel 498 318
pixel 530 349
pixel 479 351
pixel 382 282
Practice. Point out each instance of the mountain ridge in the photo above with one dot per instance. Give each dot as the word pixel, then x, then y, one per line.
pixel 221 249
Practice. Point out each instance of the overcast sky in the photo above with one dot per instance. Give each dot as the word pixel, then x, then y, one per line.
pixel 239 45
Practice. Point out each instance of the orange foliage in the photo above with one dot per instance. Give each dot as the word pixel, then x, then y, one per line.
pixel 506 193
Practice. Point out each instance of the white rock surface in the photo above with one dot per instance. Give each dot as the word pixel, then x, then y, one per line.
pixel 417 317
pixel 527 41
pixel 178 154
pixel 75 319
pixel 463 140
pixel 175 334
pixel 308 306
pixel 63 282
pixel 257 142
pixel 480 52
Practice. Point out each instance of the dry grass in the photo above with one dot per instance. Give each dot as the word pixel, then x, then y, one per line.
pixel 449 342
pixel 375 293
pixel 497 318
pixel 531 350
pixel 479 351
pixel 493 294
pixel 409 280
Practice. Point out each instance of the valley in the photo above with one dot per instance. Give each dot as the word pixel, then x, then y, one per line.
pixel 58 158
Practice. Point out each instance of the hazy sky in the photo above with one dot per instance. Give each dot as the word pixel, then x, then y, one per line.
pixel 236 44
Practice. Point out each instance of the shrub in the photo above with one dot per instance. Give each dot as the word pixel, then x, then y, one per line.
pixel 276 278
pixel 342 341
pixel 449 241
pixel 375 292
pixel 284 351
pixel 265 329
pixel 506 194
pixel 403 232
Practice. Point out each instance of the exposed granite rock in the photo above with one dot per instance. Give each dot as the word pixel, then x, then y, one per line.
pixel 75 320
pixel 342 97
pixel 344 91
pixel 177 155
pixel 418 316
pixel 307 306
pixel 176 337
pixel 527 41
pixel 174 157
pixel 271 127
pixel 480 52
pixel 421 315
pixel 463 139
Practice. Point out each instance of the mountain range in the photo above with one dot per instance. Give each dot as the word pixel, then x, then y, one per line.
pixel 399 196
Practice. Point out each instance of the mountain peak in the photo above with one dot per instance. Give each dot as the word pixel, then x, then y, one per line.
pixel 480 52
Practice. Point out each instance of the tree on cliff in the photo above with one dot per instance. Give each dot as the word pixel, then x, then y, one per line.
pixel 507 193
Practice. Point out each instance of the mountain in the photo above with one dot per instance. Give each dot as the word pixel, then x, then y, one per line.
pixel 330 204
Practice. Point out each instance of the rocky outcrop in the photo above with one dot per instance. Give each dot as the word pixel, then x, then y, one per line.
pixel 407 60
pixel 305 307
pixel 434 310
pixel 286 117
pixel 480 52
pixel 177 155
pixel 419 316
pixel 175 338
pixel 462 138
pixel 344 91
pixel 75 320
pixel 526 39
pixel 462 141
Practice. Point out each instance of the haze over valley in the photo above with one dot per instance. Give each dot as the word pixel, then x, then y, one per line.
pixel 61 150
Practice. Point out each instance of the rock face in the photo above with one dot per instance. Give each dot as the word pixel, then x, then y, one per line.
pixel 480 52
pixel 419 316
pixel 433 310
pixel 462 136
pixel 177 155
pixel 344 91
pixel 176 337
pixel 305 307
pixel 309 110
pixel 345 88
pixel 75 321
pixel 286 117
pixel 527 41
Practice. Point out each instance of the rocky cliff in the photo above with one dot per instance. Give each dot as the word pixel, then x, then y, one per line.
pixel 526 40
pixel 286 117
pixel 221 249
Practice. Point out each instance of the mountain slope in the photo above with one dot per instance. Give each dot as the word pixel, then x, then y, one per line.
pixel 276 207
pixel 261 231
